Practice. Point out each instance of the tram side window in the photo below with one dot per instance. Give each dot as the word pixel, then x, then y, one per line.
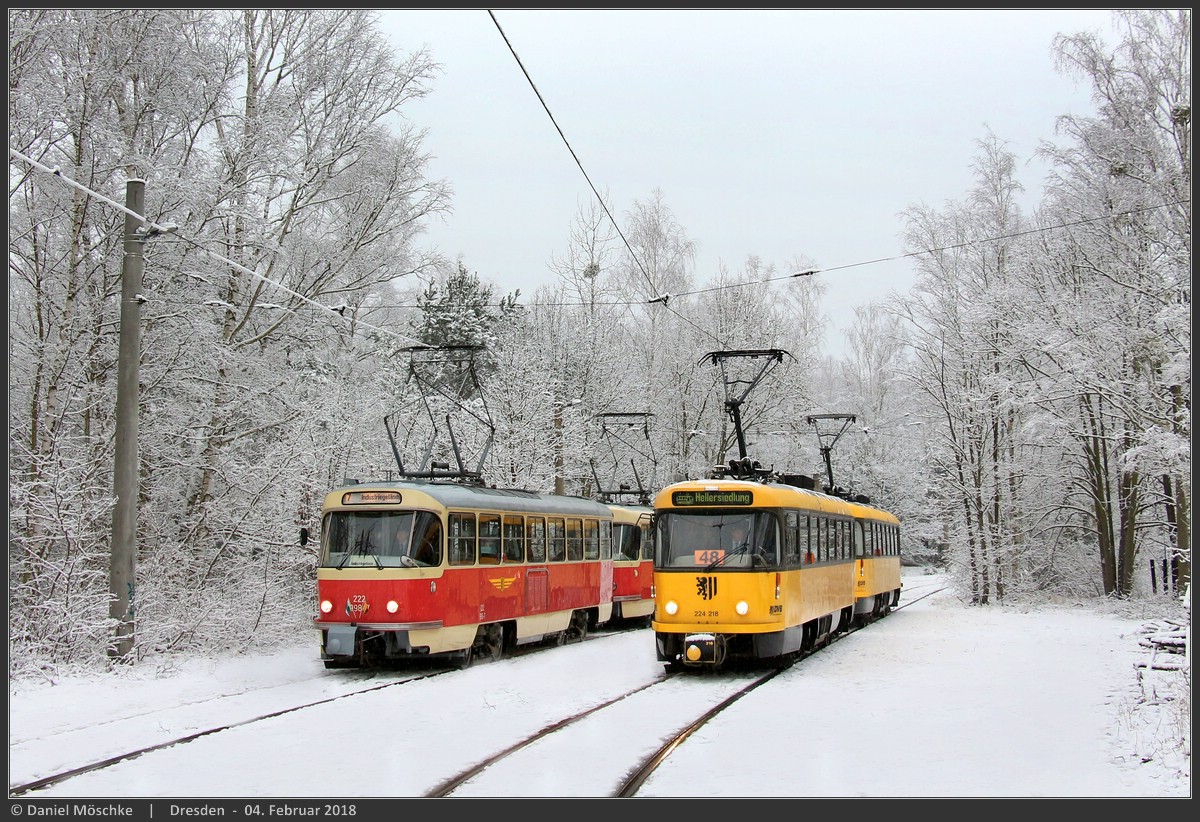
pixel 767 540
pixel 574 539
pixel 489 539
pixel 514 539
pixel 429 539
pixel 625 541
pixel 558 539
pixel 822 539
pixel 791 539
pixel 647 550
pixel 606 540
pixel 535 532
pixel 806 545
pixel 591 539
pixel 462 539
pixel 860 541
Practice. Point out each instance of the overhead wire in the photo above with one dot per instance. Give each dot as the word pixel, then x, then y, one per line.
pixel 662 298
pixel 567 143
pixel 163 229
pixel 665 298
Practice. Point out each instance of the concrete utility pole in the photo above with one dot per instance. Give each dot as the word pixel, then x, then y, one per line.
pixel 121 607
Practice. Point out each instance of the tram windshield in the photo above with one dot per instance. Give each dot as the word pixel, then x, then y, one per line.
pixel 713 539
pixel 381 539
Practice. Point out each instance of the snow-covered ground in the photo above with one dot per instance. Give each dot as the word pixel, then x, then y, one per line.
pixel 937 700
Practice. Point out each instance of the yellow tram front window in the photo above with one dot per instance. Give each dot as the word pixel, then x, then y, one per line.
pixel 708 539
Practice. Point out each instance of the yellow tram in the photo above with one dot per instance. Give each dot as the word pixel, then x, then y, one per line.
pixel 758 569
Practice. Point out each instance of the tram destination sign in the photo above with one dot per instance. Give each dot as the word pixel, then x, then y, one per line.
pixel 691 499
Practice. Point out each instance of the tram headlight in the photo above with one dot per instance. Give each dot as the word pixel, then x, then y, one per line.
pixel 326 606
pixel 672 607
pixel 742 608
pixel 393 606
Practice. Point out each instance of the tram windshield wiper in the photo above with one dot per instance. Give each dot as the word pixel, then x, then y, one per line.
pixel 362 548
pixel 370 554
pixel 745 546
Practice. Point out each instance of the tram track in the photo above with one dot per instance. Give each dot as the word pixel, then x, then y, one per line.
pixel 406 676
pixel 674 728
pixel 681 702
pixel 91 767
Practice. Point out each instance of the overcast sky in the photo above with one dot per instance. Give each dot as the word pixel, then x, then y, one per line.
pixel 774 133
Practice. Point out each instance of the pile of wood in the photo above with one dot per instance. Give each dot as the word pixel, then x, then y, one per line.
pixel 1168 641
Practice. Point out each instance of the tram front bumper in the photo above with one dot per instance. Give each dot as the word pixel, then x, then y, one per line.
pixel 339 640
pixel 700 648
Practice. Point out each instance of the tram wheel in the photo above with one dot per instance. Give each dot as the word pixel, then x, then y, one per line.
pixel 493 642
pixel 464 658
pixel 579 626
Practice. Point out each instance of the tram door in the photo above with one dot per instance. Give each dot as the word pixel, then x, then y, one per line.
pixel 537 590
pixel 537 576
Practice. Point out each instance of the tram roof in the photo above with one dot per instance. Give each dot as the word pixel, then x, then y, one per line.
pixel 458 495
pixel 774 495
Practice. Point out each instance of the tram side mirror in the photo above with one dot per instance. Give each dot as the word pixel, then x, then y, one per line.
pixel 303 537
